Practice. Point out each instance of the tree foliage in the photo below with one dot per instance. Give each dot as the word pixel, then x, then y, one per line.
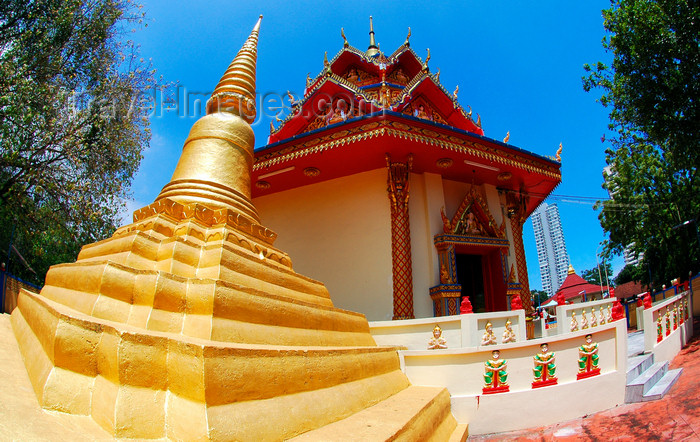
pixel 73 124
pixel 595 274
pixel 629 273
pixel 538 297
pixel 652 89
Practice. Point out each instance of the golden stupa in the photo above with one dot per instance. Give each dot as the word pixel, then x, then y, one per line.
pixel 188 324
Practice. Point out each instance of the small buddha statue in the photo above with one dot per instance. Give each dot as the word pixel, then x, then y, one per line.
pixel 401 77
pixel 495 374
pixel 437 341
pixel 588 356
pixel 508 334
pixel 545 366
pixel 473 227
pixel 421 113
pixel 489 337
pixel 352 76
pixel 574 322
pixel 594 318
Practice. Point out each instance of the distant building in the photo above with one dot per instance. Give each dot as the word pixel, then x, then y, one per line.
pixel 630 257
pixel 551 247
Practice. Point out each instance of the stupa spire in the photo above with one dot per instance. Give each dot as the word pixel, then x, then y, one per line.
pixel 235 92
pixel 373 49
pixel 215 165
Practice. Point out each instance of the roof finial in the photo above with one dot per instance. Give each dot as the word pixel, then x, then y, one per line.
pixel 505 140
pixel 406 43
pixel 425 63
pixel 235 92
pixel 454 94
pixel 373 49
pixel 559 152
pixel 326 64
pixel 345 40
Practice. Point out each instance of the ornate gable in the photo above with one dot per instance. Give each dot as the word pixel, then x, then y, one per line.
pixel 473 218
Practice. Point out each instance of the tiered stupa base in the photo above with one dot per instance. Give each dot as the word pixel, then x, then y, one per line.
pixel 149 353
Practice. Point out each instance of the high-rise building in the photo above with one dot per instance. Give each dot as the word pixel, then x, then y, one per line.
pixel 631 258
pixel 551 248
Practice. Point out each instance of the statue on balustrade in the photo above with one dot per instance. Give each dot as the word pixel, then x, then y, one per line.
pixel 437 341
pixel 489 338
pixel 465 306
pixel 495 374
pixel 545 367
pixel 508 334
pixel 574 322
pixel 584 320
pixel 588 359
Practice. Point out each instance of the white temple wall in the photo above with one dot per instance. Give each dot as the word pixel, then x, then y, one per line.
pixel 339 232
pixel 426 199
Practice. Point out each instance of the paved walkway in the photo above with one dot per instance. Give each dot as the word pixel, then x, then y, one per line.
pixel 676 417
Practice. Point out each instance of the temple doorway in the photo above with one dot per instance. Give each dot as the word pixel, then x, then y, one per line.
pixel 470 275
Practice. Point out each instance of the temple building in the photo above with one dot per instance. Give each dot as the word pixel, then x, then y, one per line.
pixel 383 186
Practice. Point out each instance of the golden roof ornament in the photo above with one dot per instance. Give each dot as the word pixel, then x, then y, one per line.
pixel 272 127
pixel 425 63
pixel 373 49
pixel 559 153
pixel 406 43
pixel 308 80
pixel 505 140
pixel 478 119
pixel 326 64
pixel 437 76
pixel 454 94
pixel 345 40
pixel 470 111
pixel 235 92
pixel 571 270
pixel 292 101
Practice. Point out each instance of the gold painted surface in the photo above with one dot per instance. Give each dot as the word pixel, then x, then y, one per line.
pixel 188 324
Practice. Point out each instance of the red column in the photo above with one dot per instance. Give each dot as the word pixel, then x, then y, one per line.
pixel 402 272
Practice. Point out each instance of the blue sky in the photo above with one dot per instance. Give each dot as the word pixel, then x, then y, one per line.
pixel 518 64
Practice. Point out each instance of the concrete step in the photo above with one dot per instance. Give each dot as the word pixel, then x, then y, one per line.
pixel 637 365
pixel 663 386
pixel 460 434
pixel 416 413
pixel 636 389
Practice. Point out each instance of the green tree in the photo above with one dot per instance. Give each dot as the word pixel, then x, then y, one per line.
pixel 629 273
pixel 593 275
pixel 538 297
pixel 74 108
pixel 652 89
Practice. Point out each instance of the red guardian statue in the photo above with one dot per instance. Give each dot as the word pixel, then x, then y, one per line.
pixel 560 299
pixel 647 300
pixel 516 303
pixel 618 311
pixel 466 306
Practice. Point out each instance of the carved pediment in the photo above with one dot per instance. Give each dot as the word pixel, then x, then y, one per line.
pixel 473 218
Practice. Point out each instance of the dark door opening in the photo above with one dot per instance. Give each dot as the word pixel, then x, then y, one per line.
pixel 470 276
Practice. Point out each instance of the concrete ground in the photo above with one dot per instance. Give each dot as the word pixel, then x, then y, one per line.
pixel 675 417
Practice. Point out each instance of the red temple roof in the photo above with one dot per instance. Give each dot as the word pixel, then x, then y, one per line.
pixel 574 286
pixel 364 105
